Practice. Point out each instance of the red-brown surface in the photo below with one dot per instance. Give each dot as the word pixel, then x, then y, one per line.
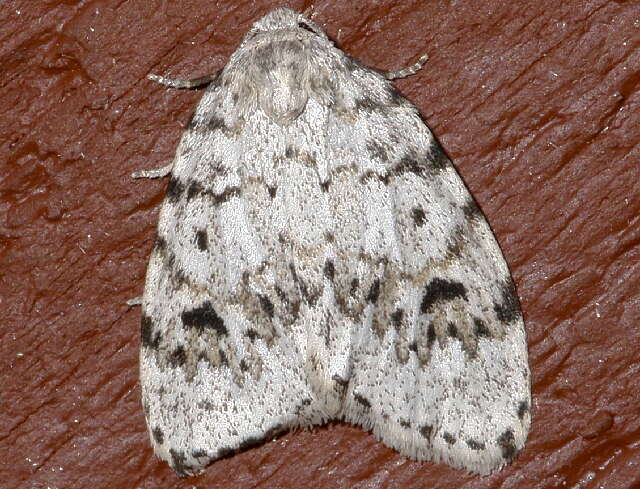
pixel 538 105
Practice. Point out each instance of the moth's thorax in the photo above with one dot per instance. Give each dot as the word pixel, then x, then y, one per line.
pixel 278 65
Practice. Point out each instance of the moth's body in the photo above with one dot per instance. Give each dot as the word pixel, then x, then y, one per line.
pixel 319 258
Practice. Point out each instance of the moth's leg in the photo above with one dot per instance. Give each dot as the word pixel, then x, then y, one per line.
pixel 175 83
pixel 153 173
pixel 136 301
pixel 408 71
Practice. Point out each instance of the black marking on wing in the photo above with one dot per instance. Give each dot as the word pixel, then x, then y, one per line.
pixel 267 305
pixel 441 290
pixel 178 463
pixel 175 189
pixel 150 337
pixel 449 438
pixel 523 408
pixel 178 357
pixel 204 317
pixel 202 239
pixel 329 270
pixel 426 431
pixel 481 329
pixel 506 442
pixel 419 216
pixel 374 291
pixel 363 401
pixel 158 435
pixel 475 445
pixel 508 309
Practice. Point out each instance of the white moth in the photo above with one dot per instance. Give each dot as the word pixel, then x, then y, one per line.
pixel 318 258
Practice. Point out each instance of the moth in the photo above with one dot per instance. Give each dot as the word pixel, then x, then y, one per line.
pixel 317 258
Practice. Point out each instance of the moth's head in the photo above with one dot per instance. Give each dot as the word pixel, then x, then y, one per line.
pixel 286 21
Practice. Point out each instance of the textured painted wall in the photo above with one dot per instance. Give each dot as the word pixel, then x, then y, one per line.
pixel 538 105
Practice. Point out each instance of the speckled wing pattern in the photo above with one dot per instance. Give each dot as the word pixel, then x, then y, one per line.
pixel 318 258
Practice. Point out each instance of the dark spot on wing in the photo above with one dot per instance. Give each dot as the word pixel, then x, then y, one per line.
pixel 204 317
pixel 194 190
pixel 363 401
pixel 508 309
pixel 272 191
pixel 371 175
pixel 294 309
pixel 480 328
pixel 202 239
pixel 178 463
pixel 404 423
pixel 413 346
pixel 409 164
pixel 243 365
pixel 396 317
pixel 251 334
pixel 452 330
pixel 149 339
pixel 523 408
pixel 161 245
pixel 329 270
pixel 178 357
pixel 216 123
pixel 431 335
pixel 227 194
pixel 437 156
pixel 378 150
pixel 441 290
pixel 471 210
pixel 223 357
pixel 354 286
pixel 178 276
pixel 449 438
pixel 300 408
pixel 174 189
pixel 418 215
pixel 158 435
pixel 340 381
pixel 426 431
pixel 325 185
pixel 374 291
pixel 290 152
pixel 281 294
pixel 475 445
pixel 199 453
pixel 506 442
pixel 267 305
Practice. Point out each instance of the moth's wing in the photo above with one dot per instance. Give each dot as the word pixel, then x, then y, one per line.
pixel 220 362
pixel 440 367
